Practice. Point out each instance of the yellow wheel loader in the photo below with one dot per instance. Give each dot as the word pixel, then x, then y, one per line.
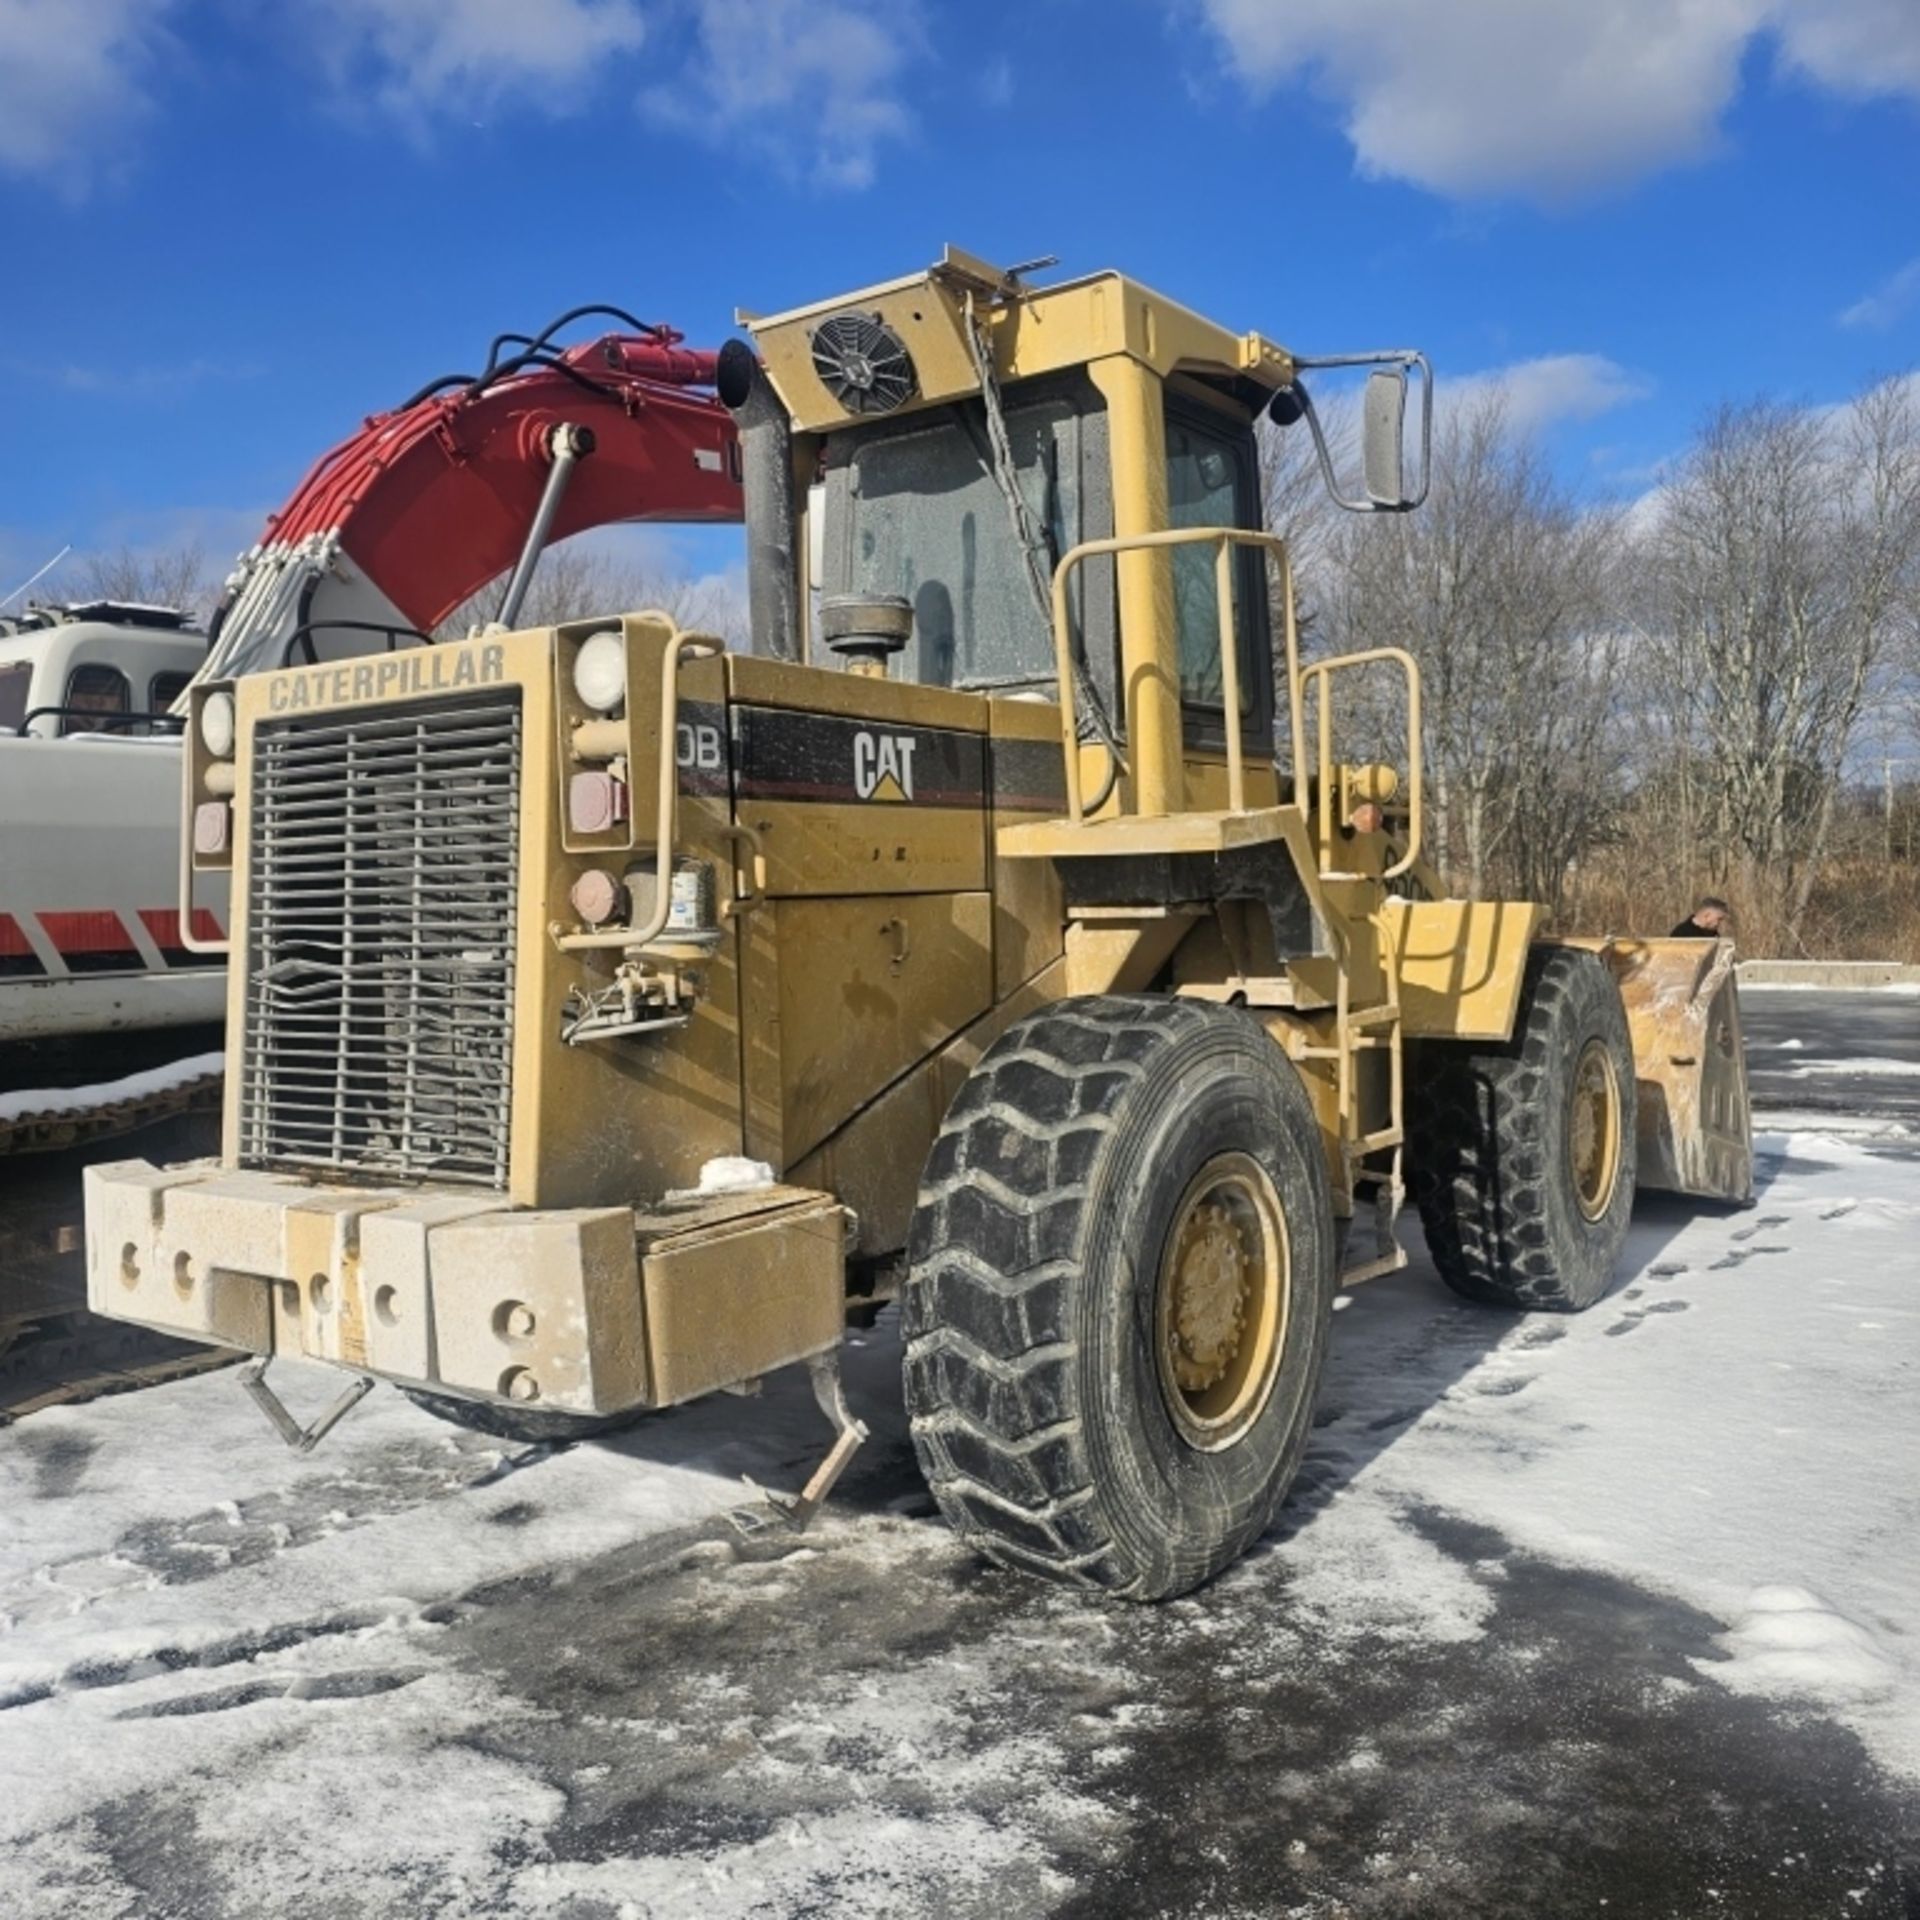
pixel 613 1015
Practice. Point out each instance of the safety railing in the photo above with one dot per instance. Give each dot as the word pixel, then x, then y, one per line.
pixel 94 719
pixel 1224 540
pixel 1320 676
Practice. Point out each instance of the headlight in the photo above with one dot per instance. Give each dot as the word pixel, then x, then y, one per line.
pixel 600 672
pixel 216 725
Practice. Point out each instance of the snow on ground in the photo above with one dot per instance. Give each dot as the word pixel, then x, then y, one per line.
pixel 1822 1069
pixel 1738 1425
pixel 448 1675
pixel 33 1102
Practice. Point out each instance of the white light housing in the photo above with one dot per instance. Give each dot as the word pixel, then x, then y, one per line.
pixel 216 725
pixel 600 672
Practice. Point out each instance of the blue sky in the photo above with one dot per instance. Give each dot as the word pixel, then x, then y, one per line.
pixel 228 230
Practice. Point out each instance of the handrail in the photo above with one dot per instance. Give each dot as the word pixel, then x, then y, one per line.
pixel 1225 539
pixel 1323 671
pixel 667 793
pixel 104 720
pixel 190 940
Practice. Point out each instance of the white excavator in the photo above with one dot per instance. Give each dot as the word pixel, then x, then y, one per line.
pixel 110 996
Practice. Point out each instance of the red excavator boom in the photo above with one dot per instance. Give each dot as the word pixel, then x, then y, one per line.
pixel 401 522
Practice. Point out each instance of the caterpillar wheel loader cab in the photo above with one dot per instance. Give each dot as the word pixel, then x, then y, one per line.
pixel 1010 900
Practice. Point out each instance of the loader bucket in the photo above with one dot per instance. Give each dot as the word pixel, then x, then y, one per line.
pixel 1695 1129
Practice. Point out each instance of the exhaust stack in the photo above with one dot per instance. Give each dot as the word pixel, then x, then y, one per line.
pixel 766 455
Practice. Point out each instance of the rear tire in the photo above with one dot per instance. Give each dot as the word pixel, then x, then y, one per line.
pixel 1120 1286
pixel 1521 1156
pixel 526 1426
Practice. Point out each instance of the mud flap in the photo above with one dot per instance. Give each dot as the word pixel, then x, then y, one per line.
pixel 1690 1068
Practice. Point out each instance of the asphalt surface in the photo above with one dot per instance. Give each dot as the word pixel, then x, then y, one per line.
pixel 868 1721
pixel 1814 1051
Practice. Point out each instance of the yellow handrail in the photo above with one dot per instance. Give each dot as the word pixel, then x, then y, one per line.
pixel 1323 671
pixel 667 799
pixel 1224 539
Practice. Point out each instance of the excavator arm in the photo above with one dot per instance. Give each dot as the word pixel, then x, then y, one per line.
pixel 402 521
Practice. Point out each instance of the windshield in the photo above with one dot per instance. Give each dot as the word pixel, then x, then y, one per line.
pixel 918 512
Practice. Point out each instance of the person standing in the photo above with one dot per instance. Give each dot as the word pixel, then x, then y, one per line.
pixel 1711 919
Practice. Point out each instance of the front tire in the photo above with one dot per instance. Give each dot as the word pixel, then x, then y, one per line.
pixel 1122 1272
pixel 1522 1155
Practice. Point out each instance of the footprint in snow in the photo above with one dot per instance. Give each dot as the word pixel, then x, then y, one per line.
pixel 1840 1209
pixel 1627 1322
pixel 1667 1269
pixel 1542 1335
pixel 1770 1220
pixel 1740 1256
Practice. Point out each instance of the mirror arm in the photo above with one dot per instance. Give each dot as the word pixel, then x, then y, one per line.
pixel 1401 358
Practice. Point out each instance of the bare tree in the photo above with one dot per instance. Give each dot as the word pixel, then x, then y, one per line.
pixel 578 582
pixel 1783 563
pixel 176 576
pixel 1499 588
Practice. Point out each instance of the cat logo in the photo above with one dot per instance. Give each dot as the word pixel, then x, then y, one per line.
pixel 883 766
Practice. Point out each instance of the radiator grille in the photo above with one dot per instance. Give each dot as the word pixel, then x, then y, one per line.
pixel 380 942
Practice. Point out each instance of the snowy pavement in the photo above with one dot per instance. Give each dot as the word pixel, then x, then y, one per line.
pixel 1618 1613
pixel 1834 1050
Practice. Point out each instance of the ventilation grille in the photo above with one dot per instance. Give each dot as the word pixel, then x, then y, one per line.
pixel 380 943
pixel 863 363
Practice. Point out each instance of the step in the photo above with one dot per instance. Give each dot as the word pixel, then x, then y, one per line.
pixel 1377 1142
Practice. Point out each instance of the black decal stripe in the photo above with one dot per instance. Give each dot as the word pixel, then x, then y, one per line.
pixel 1029 776
pixel 784 754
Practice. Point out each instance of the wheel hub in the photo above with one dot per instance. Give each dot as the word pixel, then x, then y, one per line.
pixel 1211 1277
pixel 1221 1313
pixel 1593 1129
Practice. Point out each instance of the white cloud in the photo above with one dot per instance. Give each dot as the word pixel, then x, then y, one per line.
pixel 73 75
pixel 1865 47
pixel 441 55
pixel 1541 393
pixel 1887 302
pixel 1545 100
pixel 811 84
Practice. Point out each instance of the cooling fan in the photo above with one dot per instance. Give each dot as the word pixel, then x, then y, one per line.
pixel 863 363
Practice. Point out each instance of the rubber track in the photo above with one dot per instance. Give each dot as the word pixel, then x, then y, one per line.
pixel 1481 1188
pixel 989 1295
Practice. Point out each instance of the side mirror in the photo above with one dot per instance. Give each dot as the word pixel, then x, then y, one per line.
pixel 1383 429
pixel 1383 436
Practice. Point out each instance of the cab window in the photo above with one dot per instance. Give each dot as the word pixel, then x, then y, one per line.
pixel 1210 484
pixel 916 509
pixel 91 690
pixel 15 678
pixel 164 689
